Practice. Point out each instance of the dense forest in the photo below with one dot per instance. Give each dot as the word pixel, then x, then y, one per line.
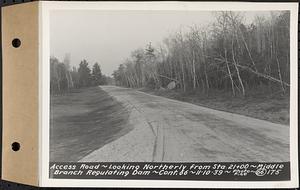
pixel 227 55
pixel 63 77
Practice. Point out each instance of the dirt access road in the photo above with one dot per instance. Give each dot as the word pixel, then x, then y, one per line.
pixel 168 130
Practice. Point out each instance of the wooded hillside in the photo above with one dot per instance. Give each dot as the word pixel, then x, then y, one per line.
pixel 227 55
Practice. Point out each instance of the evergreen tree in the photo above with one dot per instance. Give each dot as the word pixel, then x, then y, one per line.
pixel 84 73
pixel 150 50
pixel 97 75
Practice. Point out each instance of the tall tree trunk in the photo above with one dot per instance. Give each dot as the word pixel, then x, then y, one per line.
pixel 247 48
pixel 229 73
pixel 206 78
pixel 204 61
pixel 183 78
pixel 237 69
pixel 279 74
pixel 203 85
pixel 194 72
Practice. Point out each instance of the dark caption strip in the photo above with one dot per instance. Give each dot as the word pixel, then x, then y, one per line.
pixel 223 171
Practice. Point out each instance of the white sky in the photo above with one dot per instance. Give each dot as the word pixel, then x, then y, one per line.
pixel 108 37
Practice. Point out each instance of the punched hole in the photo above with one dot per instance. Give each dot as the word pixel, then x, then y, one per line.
pixel 16 43
pixel 15 146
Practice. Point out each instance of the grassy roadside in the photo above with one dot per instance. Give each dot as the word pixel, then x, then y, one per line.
pixel 83 121
pixel 273 108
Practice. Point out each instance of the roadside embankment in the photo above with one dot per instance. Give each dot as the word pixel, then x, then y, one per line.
pixel 273 107
pixel 84 120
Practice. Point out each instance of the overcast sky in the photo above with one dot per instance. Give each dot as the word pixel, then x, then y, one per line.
pixel 108 37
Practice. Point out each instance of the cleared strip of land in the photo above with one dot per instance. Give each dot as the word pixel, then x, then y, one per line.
pixel 171 131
